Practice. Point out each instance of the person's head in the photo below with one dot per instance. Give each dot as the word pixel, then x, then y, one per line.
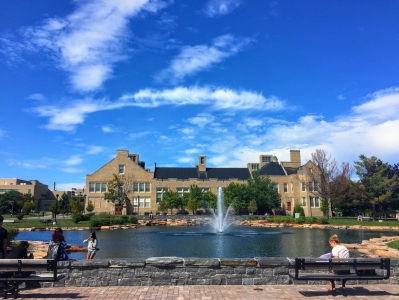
pixel 93 235
pixel 24 244
pixel 57 235
pixel 333 240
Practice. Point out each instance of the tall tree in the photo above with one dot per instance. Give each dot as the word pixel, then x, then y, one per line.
pixel 327 180
pixel 77 204
pixel 118 189
pixel 374 175
pixel 171 200
pixel 64 204
pixel 262 190
pixel 210 198
pixel 236 196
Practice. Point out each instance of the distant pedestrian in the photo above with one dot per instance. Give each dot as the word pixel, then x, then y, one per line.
pixel 360 217
pixel 92 246
pixel 151 215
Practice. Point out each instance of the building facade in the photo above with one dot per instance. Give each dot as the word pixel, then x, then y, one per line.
pixel 147 187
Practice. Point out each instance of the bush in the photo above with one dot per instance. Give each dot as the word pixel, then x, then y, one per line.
pixel 12 233
pixel 323 220
pixel 133 220
pixel 299 209
pixel 289 220
pixel 310 220
pixel 124 219
pixel 76 218
pixel 300 220
pixel 275 220
pixel 98 222
pixel 20 216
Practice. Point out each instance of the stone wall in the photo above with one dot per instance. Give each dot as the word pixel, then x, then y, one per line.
pixel 186 271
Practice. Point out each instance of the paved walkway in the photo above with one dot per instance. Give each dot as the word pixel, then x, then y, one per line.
pixel 203 292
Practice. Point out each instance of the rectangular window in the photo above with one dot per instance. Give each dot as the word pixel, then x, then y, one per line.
pixel 202 160
pixel 303 187
pixel 142 187
pixel 304 201
pixel 160 192
pixel 29 191
pixel 285 187
pixel 255 167
pixel 121 169
pixel 103 187
pixel 312 202
pixel 141 202
pixel 266 158
pixel 91 187
pixel 147 202
pixel 310 186
pixel 315 186
pixel 98 187
pixel 182 191
pixel 316 200
pixel 276 186
pixel 292 187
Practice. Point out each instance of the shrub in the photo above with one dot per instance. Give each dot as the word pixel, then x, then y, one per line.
pixel 289 220
pixel 310 220
pixel 133 220
pixel 323 220
pixel 12 233
pixel 124 219
pixel 98 222
pixel 299 209
pixel 300 220
pixel 76 218
pixel 275 220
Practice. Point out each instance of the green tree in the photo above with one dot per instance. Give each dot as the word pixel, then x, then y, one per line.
pixel 11 199
pixel 373 174
pixel 54 208
pixel 118 190
pixel 171 199
pixel 77 204
pixel 28 207
pixel 252 207
pixel 262 190
pixel 299 209
pixel 236 196
pixel 162 206
pixel 196 199
pixel 64 204
pixel 210 198
pixel 90 207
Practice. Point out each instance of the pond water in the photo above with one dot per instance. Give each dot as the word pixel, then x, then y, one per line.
pixel 202 241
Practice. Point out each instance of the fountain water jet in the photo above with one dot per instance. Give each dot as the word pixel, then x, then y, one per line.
pixel 221 222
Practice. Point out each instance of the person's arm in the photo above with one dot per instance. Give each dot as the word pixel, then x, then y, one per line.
pixel 85 241
pixel 95 243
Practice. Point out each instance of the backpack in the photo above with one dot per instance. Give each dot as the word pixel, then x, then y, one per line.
pixel 54 250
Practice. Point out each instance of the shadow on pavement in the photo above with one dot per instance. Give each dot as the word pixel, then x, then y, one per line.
pixel 357 291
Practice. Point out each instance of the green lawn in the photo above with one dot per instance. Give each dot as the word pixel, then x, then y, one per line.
pixel 354 221
pixel 394 244
pixel 29 223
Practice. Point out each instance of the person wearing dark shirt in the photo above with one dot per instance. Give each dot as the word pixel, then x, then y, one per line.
pixel 3 239
pixel 21 251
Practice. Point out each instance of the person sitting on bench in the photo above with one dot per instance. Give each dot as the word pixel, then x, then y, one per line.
pixel 360 217
pixel 338 251
pixel 20 251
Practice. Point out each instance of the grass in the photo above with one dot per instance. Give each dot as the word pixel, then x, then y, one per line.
pixel 354 221
pixel 63 223
pixel 394 245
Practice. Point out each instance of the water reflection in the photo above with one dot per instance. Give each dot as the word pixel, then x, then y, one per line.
pixel 237 242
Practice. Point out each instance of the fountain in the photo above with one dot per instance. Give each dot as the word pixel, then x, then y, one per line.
pixel 221 222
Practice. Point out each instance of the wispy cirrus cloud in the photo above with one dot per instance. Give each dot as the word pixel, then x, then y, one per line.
pixel 215 8
pixel 66 117
pixel 94 149
pixel 88 42
pixel 193 59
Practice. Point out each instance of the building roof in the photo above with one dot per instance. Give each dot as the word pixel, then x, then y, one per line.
pixel 272 169
pixel 290 170
pixel 210 173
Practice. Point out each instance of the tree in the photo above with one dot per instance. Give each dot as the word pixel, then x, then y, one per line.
pixel 11 199
pixel 262 190
pixel 90 207
pixel 171 200
pixel 118 189
pixel 298 208
pixel 28 207
pixel 327 179
pixel 252 207
pixel 162 206
pixel 64 204
pixel 374 175
pixel 54 208
pixel 210 199
pixel 236 196
pixel 77 204
pixel 196 199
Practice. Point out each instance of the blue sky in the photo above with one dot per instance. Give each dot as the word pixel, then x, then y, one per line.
pixel 174 79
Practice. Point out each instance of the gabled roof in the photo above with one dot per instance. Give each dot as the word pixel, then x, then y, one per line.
pixel 210 173
pixel 272 169
pixel 290 170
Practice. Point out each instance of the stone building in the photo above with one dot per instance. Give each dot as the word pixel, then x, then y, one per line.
pixel 148 186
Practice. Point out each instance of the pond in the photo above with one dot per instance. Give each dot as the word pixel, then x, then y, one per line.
pixel 202 241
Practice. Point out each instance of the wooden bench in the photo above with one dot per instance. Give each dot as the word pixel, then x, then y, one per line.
pixel 320 269
pixel 12 272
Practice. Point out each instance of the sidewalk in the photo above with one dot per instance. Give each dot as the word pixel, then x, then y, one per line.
pixel 205 292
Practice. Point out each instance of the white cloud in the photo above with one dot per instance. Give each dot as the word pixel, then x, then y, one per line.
pixel 88 42
pixel 66 117
pixel 185 160
pixel 73 161
pixel 341 97
pixel 94 149
pixel 70 186
pixel 37 97
pixel 214 8
pixel 193 59
pixel 43 163
pixel 107 129
pixel 138 135
pixel 70 170
pixel 201 120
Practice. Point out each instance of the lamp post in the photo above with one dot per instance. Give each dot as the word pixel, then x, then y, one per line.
pixel 138 205
pixel 56 209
